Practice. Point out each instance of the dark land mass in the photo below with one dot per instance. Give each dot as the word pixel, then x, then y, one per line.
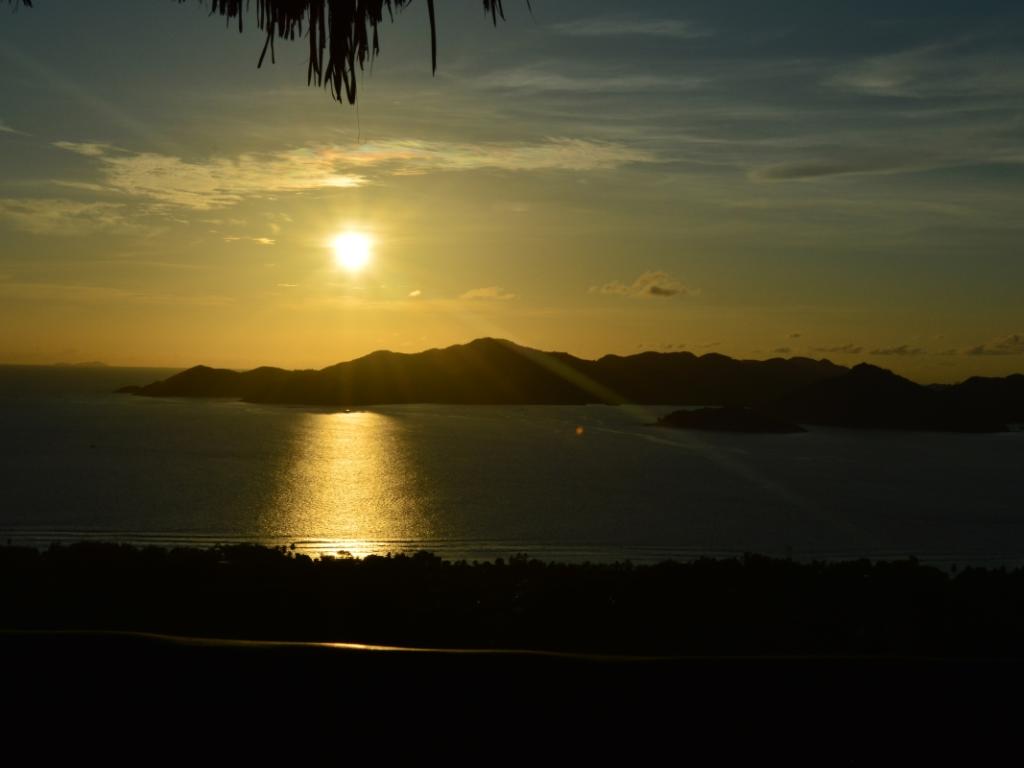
pixel 737 607
pixel 729 419
pixel 1004 396
pixel 495 371
pixel 738 659
pixel 868 397
pixel 186 697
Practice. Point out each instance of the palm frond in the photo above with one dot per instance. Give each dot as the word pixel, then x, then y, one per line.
pixel 342 34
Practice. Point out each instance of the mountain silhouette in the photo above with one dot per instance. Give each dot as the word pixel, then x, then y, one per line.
pixel 1004 396
pixel 496 371
pixel 499 372
pixel 869 397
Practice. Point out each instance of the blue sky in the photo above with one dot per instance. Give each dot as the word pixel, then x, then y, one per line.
pixel 835 180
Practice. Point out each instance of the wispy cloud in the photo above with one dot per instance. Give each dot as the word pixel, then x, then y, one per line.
pixel 646 286
pixel 86 149
pixel 216 181
pixel 610 26
pixel 257 240
pixel 404 157
pixel 222 181
pixel 5 128
pixel 543 78
pixel 1011 345
pixel 844 349
pixel 57 216
pixel 62 293
pixel 491 292
pixel 938 70
pixel 816 169
pixel 903 350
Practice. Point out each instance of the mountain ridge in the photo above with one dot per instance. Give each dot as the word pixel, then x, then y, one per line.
pixel 497 371
pixel 490 371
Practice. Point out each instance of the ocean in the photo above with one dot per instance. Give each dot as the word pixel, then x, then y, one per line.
pixel 572 483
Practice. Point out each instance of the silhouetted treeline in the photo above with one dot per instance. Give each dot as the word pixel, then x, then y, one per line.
pixel 749 606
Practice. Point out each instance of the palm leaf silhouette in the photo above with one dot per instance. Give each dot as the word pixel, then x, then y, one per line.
pixel 342 34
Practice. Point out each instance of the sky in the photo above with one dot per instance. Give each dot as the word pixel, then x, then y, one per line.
pixel 840 180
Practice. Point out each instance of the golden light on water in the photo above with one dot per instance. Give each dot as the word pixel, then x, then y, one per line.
pixel 352 250
pixel 349 484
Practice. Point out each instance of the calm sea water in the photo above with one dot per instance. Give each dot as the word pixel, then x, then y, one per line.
pixel 571 483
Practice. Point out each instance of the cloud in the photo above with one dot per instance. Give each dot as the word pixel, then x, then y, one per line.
pixel 84 186
pixel 415 294
pixel 491 292
pixel 816 169
pixel 57 216
pixel 62 293
pixel 543 79
pixel 214 182
pixel 85 149
pixel 932 71
pixel 795 335
pixel 648 285
pixel 1011 345
pixel 675 29
pixel 257 240
pixel 5 128
pixel 554 154
pixel 221 181
pixel 782 351
pixel 903 350
pixel 845 349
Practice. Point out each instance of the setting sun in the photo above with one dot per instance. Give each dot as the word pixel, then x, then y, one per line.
pixel 352 250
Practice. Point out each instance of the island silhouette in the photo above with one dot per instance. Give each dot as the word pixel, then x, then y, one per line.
pixel 488 371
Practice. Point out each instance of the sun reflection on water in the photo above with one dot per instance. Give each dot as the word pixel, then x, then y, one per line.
pixel 349 487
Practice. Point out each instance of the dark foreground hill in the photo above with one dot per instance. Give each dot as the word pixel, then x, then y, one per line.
pixel 736 607
pixel 495 371
pixel 816 663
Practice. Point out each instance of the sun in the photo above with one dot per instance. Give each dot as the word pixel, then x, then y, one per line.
pixel 352 250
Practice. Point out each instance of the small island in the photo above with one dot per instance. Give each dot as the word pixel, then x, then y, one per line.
pixel 729 419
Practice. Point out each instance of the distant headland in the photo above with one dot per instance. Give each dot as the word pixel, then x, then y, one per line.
pixel 492 371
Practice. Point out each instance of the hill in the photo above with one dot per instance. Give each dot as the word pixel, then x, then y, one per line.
pixel 499 372
pixel 868 397
pixel 495 371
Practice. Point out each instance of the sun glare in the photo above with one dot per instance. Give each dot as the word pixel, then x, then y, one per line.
pixel 352 250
